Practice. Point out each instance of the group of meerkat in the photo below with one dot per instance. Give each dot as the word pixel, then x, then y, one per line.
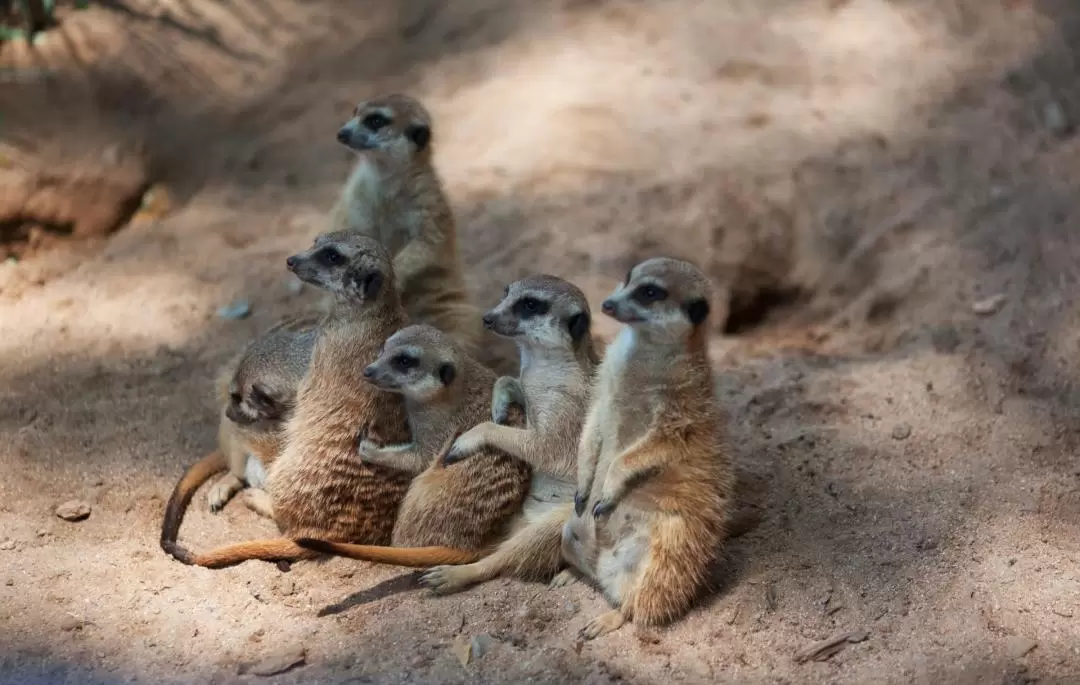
pixel 379 427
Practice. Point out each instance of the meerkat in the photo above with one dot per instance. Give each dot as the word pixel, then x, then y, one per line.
pixel 257 391
pixel 654 476
pixel 317 485
pixel 464 508
pixel 394 194
pixel 549 319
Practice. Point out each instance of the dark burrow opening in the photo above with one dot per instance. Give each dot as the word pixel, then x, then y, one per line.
pixel 764 305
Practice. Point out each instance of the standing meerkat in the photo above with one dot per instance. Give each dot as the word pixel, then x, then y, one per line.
pixel 549 320
pixel 654 476
pixel 394 195
pixel 317 485
pixel 463 508
pixel 257 392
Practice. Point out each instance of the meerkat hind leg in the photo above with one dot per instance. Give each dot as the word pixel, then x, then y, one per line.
pixel 260 502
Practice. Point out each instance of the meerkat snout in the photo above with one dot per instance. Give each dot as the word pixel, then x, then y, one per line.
pixel 489 321
pixel 343 135
pixel 608 307
pixel 369 372
pixel 290 262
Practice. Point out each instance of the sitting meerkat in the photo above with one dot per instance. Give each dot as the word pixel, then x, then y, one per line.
pixel 465 508
pixel 654 477
pixel 549 319
pixel 257 391
pixel 317 486
pixel 394 195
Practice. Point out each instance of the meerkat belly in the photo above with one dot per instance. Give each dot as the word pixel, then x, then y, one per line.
pixel 619 563
pixel 254 472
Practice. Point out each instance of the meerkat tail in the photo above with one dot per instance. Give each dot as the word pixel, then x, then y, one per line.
pixel 673 575
pixel 413 557
pixel 193 478
pixel 275 549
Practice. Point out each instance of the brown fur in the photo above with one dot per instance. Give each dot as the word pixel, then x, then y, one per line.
pixel 394 195
pixel 655 479
pixel 558 359
pixel 258 387
pixel 317 485
pixel 464 507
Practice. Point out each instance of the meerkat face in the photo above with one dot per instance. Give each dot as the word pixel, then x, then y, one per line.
pixel 669 293
pixel 544 310
pixel 578 543
pixel 345 264
pixel 254 403
pixel 419 362
pixel 396 124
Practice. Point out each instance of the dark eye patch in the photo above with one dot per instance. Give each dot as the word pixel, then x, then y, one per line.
pixel 647 293
pixel 328 256
pixel 262 401
pixel 404 362
pixel 375 121
pixel 528 307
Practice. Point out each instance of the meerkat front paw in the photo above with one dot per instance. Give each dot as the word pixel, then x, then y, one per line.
pixel 222 491
pixel 563 578
pixel 467 443
pixel 602 625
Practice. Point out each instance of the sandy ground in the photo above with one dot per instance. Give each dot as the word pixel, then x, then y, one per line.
pixel 899 180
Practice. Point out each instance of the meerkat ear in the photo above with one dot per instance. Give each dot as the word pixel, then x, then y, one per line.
pixel 263 401
pixel 419 134
pixel 371 284
pixel 447 372
pixel 578 325
pixel 697 310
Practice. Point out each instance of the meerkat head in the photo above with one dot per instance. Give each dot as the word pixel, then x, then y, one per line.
pixel 347 264
pixel 542 310
pixel 419 362
pixel 255 401
pixel 397 124
pixel 662 292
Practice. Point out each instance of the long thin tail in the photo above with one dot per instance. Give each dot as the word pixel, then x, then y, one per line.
pixel 274 549
pixel 413 557
pixel 195 476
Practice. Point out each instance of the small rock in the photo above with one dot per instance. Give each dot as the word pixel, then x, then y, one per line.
pixel 990 305
pixel 7 545
pixel 901 431
pixel 462 649
pixel 70 624
pixel 10 582
pixel 481 645
pixel 73 510
pixel 235 310
pixel 1056 119
pixel 277 662
pixel 1017 647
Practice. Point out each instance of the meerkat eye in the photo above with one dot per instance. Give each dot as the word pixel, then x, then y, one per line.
pixel 528 307
pixel 649 293
pixel 404 362
pixel 375 121
pixel 330 257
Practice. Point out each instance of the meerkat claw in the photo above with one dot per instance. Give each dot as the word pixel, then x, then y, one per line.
pixel 602 508
pixel 580 501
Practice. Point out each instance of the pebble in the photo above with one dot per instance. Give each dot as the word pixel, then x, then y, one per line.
pixel 1017 647
pixel 481 645
pixel 10 582
pixel 70 624
pixel 901 431
pixel 235 310
pixel 276 662
pixel 73 510
pixel 1056 119
pixel 990 305
pixel 284 586
pixel 7 545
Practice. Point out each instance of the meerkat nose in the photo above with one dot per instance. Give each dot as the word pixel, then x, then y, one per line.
pixel 368 372
pixel 488 320
pixel 608 307
pixel 343 135
pixel 291 262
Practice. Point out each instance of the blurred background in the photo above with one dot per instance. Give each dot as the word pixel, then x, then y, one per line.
pixel 884 191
